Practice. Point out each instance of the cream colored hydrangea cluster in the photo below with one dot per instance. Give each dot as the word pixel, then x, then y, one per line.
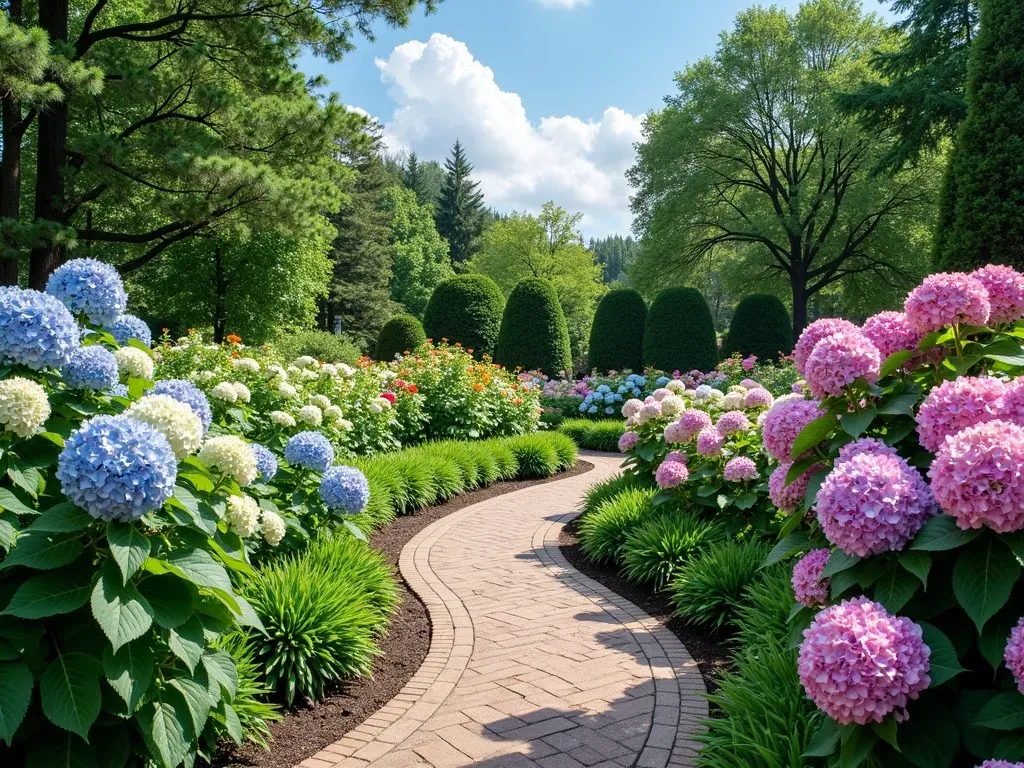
pixel 243 515
pixel 286 390
pixel 242 392
pixel 273 527
pixel 173 419
pixel 282 418
pixel 224 391
pixel 332 413
pixel 23 406
pixel 246 364
pixel 310 414
pixel 134 363
pixel 321 401
pixel 231 455
pixel 304 361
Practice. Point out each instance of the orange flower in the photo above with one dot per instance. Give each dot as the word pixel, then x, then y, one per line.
pixel 234 338
pixel 166 330
pixel 413 389
pixel 478 387
pixel 469 351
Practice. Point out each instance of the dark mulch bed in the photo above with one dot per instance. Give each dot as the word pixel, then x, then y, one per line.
pixel 305 731
pixel 709 651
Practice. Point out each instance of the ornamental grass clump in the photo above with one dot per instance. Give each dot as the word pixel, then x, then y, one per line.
pixel 604 531
pixel 708 589
pixel 654 551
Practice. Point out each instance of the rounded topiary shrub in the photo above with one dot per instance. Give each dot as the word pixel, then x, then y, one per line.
pixel 761 326
pixel 400 334
pixel 466 309
pixel 680 334
pixel 533 334
pixel 617 335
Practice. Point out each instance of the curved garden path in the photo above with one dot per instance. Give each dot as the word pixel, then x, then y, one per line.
pixel 531 663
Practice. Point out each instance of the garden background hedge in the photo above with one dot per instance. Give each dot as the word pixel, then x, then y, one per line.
pixel 617 334
pixel 402 333
pixel 680 334
pixel 761 326
pixel 466 309
pixel 534 335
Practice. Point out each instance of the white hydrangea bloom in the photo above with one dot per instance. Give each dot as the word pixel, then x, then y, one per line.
pixel 246 364
pixel 243 515
pixel 672 405
pixel 133 362
pixel 304 361
pixel 345 425
pixel 347 369
pixel 231 455
pixel 676 387
pixel 329 369
pixel 293 370
pixel 310 414
pixel 224 391
pixel 23 406
pixel 282 418
pixel 716 395
pixel 204 377
pixel 332 412
pixel 286 390
pixel 320 401
pixel 632 407
pixel 737 389
pixel 308 374
pixel 273 527
pixel 173 419
pixel 276 372
pixel 242 391
pixel 732 401
pixel 376 407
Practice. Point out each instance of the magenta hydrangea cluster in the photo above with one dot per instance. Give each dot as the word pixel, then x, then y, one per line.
pixel 759 397
pixel 628 441
pixel 891 332
pixel 814 333
pixel 857 663
pixel 1000 764
pixel 1014 654
pixel 839 360
pixel 789 497
pixel 866 445
pixel 740 469
pixel 731 422
pixel 1005 288
pixel 693 421
pixel 976 477
pixel 955 405
pixel 710 442
pixel 1011 407
pixel 810 588
pixel 947 298
pixel 675 433
pixel 784 422
pixel 873 503
pixel 671 474
pixel 678 456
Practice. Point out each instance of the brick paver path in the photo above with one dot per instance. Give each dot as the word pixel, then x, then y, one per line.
pixel 530 663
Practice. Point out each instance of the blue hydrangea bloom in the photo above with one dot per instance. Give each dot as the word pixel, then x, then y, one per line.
pixel 91 288
pixel 186 392
pixel 592 409
pixel 266 462
pixel 128 327
pixel 91 367
pixel 119 390
pixel 344 489
pixel 311 450
pixel 604 388
pixel 117 468
pixel 609 410
pixel 609 398
pixel 36 330
pixel 583 406
pixel 662 381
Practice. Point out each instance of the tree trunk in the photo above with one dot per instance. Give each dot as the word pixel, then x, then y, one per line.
pixel 799 284
pixel 51 156
pixel 220 297
pixel 10 172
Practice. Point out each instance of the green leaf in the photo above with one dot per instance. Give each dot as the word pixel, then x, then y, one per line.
pixel 856 746
pixel 233 725
pixel 129 672
pixel 197 698
pixel 49 594
pixel 930 737
pixel 200 568
pixel 825 740
pixel 70 692
pixel 900 405
pixel 122 613
pixel 169 598
pixel 1010 748
pixel 813 486
pixel 983 578
pixel 812 434
pixel 187 642
pixel 795 542
pixel 128 546
pixel 886 731
pixel 945 665
pixel 798 468
pixel 855 423
pixel 893 362
pixel 743 501
pixel 918 563
pixel 62 518
pixel 1015 541
pixel 220 667
pixel 992 642
pixel 895 587
pixel 941 533
pixel 1003 712
pixel 15 693
pixel 60 749
pixel 167 727
pixel 43 551
pixel 838 561
pixel 9 501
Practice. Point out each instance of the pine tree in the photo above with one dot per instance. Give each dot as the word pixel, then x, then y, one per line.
pixel 460 212
pixel 413 178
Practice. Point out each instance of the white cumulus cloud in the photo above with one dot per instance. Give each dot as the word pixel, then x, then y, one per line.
pixel 442 92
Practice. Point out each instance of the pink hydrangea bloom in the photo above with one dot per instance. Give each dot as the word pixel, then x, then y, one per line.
pixel 1000 764
pixel 675 433
pixel 955 405
pixel 650 411
pixel 873 503
pixel 758 397
pixel 750 384
pixel 947 298
pixel 976 477
pixel 679 456
pixel 632 407
pixel 671 474
pixel 788 497
pixel 814 333
pixel 866 445
pixel 857 663
pixel 784 422
pixel 1011 408
pixel 839 360
pixel 740 469
pixel 710 442
pixel 660 394
pixel 891 332
pixel 693 421
pixel 1005 287
pixel 628 441
pixel 810 588
pixel 1014 654
pixel 731 422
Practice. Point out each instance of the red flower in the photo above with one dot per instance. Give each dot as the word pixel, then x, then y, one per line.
pixel 389 396
pixel 413 389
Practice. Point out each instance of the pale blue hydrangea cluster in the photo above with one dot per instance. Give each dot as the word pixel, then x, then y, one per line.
pixel 310 450
pixel 344 489
pixel 128 327
pixel 36 330
pixel 633 385
pixel 662 381
pixel 91 288
pixel 186 392
pixel 266 462
pixel 601 398
pixel 117 468
pixel 92 367
pixel 119 390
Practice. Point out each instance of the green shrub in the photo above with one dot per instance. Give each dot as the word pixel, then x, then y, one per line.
pixel 764 609
pixel 400 334
pixel 709 589
pixel 385 483
pixel 449 480
pixel 658 547
pixel 463 458
pixel 466 309
pixel 603 532
pixel 533 334
pixel 418 487
pixel 590 435
pixel 606 489
pixel 328 347
pixel 617 334
pixel 565 448
pixel 251 699
pixel 765 718
pixel 360 563
pixel 505 458
pixel 535 456
pixel 680 334
pixel 760 326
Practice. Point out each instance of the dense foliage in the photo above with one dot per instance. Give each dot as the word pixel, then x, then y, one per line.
pixel 399 336
pixel 460 210
pixel 533 333
pixel 617 333
pixel 679 334
pixel 466 309
pixel 761 327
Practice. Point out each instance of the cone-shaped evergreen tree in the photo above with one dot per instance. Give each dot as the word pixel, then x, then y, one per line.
pixel 680 334
pixel 466 309
pixel 400 334
pixel 460 210
pixel 617 335
pixel 760 326
pixel 533 333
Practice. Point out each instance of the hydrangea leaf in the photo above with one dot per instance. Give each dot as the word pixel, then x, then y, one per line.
pixel 122 613
pixel 49 594
pixel 945 664
pixel 983 577
pixel 70 692
pixel 941 533
pixel 128 546
pixel 1003 712
pixel 129 671
pixel 43 550
pixel 62 518
pixel 167 727
pixel 187 642
pixel 15 693
pixel 169 598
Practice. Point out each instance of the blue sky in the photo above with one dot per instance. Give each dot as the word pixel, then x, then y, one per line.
pixel 547 95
